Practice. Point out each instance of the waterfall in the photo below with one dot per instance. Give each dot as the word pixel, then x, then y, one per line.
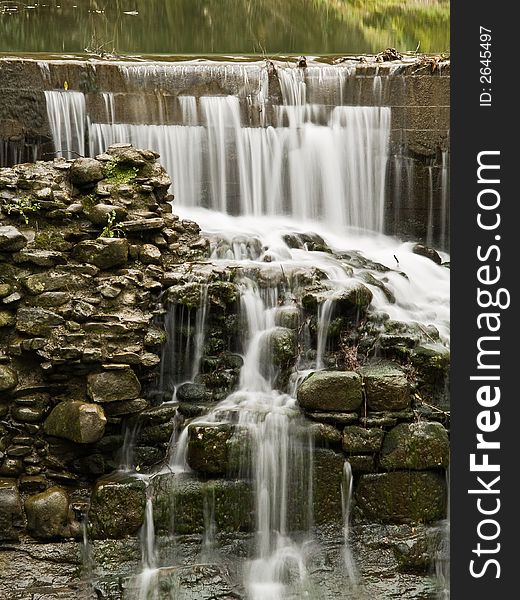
pixel 66 112
pixel 281 191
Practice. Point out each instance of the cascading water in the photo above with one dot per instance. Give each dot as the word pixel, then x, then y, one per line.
pixel 66 111
pixel 319 167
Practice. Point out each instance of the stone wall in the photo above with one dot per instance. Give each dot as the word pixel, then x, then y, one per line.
pixel 93 267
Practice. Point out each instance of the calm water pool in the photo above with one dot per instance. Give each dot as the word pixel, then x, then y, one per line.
pixel 223 26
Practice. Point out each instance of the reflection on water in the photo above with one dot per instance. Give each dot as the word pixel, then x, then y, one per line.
pixel 224 26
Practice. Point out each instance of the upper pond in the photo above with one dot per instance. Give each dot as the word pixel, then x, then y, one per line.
pixel 223 26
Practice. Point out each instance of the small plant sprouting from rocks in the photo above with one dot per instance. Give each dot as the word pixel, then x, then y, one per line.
pixel 112 229
pixel 115 172
pixel 23 206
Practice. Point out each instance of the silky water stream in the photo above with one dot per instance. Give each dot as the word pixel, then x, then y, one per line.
pixel 316 168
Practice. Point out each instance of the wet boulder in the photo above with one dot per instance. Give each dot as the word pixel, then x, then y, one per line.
pixel 401 497
pixel 113 385
pixel 288 317
pixel 350 301
pixel 181 501
pixel 338 391
pixel 282 345
pixel 48 514
pixel 117 508
pixel 191 392
pixel 386 387
pixel 359 440
pixel 8 378
pixel 427 252
pixel 208 447
pixel 11 514
pixel 422 445
pixel 86 172
pixel 76 421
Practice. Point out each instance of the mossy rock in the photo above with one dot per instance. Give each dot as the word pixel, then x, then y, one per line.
pixel 76 421
pixel 48 514
pixel 422 445
pixel 328 477
pixel 208 446
pixel 180 500
pixel 326 391
pixel 360 440
pixel 8 378
pixel 386 387
pixel 282 346
pixel 401 497
pixel 117 508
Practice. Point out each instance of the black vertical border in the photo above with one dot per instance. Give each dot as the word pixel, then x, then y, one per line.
pixel 475 129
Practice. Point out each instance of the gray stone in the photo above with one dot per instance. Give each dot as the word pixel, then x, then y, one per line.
pixel 11 239
pixel 105 253
pixel 52 299
pixel 100 213
pixel 48 514
pixel 37 321
pixel 112 386
pixel 12 298
pixel 386 387
pixel 86 171
pixel 11 514
pixel 8 378
pixel 331 391
pixel 149 254
pixel 358 440
pixel 208 447
pixel 401 497
pixel 41 258
pixel 77 421
pixel 421 445
pixel 117 508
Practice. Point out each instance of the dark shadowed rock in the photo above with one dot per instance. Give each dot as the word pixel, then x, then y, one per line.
pixel 11 515
pixel 8 378
pixel 427 253
pixel 208 447
pixel 401 497
pixel 11 239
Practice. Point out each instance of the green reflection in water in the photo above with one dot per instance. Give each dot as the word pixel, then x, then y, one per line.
pixel 224 26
